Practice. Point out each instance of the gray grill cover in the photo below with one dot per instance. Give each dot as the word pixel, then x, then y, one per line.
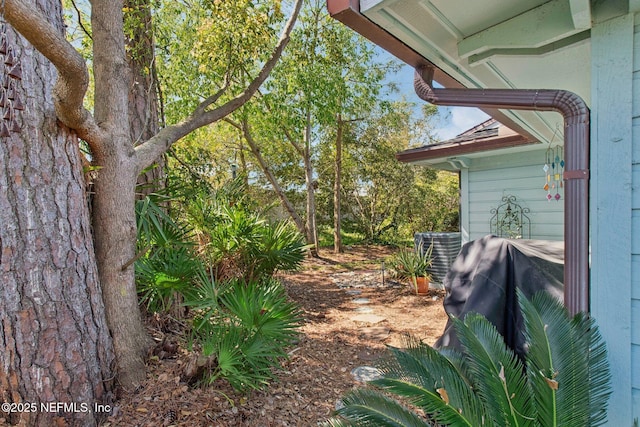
pixel 485 275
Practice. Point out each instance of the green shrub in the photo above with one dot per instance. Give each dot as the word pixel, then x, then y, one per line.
pixel 244 323
pixel 280 248
pixel 167 265
pixel 232 242
pixel 411 262
pixel 565 380
pixel 242 244
pixel 246 329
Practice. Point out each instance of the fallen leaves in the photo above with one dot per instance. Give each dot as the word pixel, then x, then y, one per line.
pixel 317 373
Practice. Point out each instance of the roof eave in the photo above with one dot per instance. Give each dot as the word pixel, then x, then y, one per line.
pixel 445 151
pixel 348 12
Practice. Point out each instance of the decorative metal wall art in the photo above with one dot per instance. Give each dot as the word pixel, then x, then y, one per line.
pixel 510 220
pixel 10 88
pixel 553 170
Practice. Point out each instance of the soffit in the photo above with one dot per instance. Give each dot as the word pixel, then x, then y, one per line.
pixel 524 44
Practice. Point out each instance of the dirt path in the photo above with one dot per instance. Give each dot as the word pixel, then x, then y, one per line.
pixel 349 318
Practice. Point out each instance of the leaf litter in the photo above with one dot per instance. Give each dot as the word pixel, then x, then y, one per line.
pixel 319 369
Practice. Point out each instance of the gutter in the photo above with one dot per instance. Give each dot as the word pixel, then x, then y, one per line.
pixel 576 176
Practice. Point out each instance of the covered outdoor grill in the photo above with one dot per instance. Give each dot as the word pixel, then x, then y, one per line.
pixel 484 278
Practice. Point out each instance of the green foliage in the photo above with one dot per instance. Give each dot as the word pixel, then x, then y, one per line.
pixel 565 380
pixel 167 265
pixel 238 242
pixel 219 232
pixel 280 248
pixel 571 356
pixel 326 72
pixel 204 156
pixel 203 46
pixel 436 202
pixel 325 236
pixel 372 203
pixel 411 262
pixel 244 324
pixel 247 328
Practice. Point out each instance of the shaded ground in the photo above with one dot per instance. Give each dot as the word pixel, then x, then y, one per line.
pixel 333 342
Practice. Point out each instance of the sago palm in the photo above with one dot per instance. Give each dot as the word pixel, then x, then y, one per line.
pixel 565 380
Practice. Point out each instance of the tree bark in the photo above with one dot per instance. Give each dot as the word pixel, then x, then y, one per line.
pixel 114 221
pixel 53 332
pixel 143 91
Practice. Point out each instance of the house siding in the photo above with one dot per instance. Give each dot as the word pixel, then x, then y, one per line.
pixel 614 216
pixel 635 225
pixel 520 175
pixel 635 228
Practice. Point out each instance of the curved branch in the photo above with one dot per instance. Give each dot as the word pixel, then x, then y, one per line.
pixel 154 147
pixel 73 80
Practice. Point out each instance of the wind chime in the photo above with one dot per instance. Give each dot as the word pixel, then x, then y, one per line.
pixel 10 77
pixel 554 169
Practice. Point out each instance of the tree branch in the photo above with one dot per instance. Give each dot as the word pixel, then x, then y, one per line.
pixel 287 133
pixel 154 147
pixel 73 80
pixel 88 34
pixel 286 203
pixel 200 109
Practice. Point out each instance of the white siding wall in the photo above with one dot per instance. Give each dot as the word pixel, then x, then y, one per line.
pixel 520 175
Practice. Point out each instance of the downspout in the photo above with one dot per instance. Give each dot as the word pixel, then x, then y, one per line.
pixel 576 176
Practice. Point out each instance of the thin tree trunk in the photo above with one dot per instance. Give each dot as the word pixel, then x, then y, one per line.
pixel 337 189
pixel 113 208
pixel 56 345
pixel 288 206
pixel 243 165
pixel 312 232
pixel 114 228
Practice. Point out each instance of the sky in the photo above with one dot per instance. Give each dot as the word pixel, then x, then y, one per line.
pixel 454 120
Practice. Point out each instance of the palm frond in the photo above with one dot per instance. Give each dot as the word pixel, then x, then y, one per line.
pixel 566 380
pixel 368 408
pixel 281 248
pixel 336 422
pixel 431 401
pixel 496 372
pixel 430 370
pixel 566 364
pixel 598 365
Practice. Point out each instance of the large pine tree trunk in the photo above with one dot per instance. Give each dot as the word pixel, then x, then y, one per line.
pixel 53 333
pixel 143 89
